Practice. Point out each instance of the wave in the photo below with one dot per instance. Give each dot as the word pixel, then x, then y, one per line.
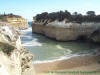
pixel 61 58
pixel 59 47
pixel 67 51
pixel 32 43
pixel 28 37
pixel 26 31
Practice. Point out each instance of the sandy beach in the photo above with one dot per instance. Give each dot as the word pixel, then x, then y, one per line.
pixel 81 65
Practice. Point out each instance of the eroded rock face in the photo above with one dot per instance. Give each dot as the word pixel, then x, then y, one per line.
pixel 62 31
pixel 14 21
pixel 95 36
pixel 14 59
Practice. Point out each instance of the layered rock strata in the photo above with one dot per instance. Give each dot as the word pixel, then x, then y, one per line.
pixel 14 59
pixel 69 31
pixel 13 20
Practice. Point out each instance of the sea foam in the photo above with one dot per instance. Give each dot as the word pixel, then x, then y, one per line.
pixel 61 58
pixel 32 42
pixel 54 60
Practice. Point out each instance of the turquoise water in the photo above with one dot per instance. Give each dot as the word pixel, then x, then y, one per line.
pixel 47 49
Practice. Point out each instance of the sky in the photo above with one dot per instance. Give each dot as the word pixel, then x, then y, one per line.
pixel 29 8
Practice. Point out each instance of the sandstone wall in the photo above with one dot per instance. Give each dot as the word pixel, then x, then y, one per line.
pixel 66 31
pixel 15 21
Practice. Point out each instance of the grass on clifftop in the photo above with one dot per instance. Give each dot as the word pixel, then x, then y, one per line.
pixel 6 48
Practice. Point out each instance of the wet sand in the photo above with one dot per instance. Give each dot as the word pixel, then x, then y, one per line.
pixel 75 64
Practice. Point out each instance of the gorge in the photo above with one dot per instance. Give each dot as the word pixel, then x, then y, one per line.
pixel 14 59
pixel 19 61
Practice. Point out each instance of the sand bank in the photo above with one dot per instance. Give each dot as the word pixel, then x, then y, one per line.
pixel 83 65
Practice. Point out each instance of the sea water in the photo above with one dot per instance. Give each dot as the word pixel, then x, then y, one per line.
pixel 48 50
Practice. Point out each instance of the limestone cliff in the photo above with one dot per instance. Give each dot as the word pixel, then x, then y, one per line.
pixel 69 31
pixel 14 59
pixel 95 36
pixel 14 20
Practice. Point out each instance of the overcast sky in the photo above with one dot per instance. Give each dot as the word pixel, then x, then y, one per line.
pixel 29 8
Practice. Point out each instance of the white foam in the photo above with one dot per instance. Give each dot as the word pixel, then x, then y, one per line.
pixel 26 30
pixel 61 58
pixel 32 43
pixel 35 39
pixel 67 51
pixel 59 47
pixel 29 37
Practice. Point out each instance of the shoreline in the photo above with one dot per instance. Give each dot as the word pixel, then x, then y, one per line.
pixel 79 63
pixel 60 59
pixel 74 63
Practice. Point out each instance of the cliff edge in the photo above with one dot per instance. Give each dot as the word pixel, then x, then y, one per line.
pixel 65 26
pixel 14 20
pixel 68 31
pixel 14 59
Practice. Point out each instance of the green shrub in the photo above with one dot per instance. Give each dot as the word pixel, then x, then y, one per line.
pixel 6 48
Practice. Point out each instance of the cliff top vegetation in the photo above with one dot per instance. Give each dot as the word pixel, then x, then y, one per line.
pixel 9 15
pixel 67 16
pixel 6 48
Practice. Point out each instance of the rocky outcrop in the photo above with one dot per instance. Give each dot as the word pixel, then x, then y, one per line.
pixel 69 31
pixel 95 36
pixel 14 59
pixel 14 20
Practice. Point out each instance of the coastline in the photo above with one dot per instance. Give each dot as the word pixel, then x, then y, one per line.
pixel 79 63
pixel 84 63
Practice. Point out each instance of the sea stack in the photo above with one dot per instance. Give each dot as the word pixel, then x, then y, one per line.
pixel 66 27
